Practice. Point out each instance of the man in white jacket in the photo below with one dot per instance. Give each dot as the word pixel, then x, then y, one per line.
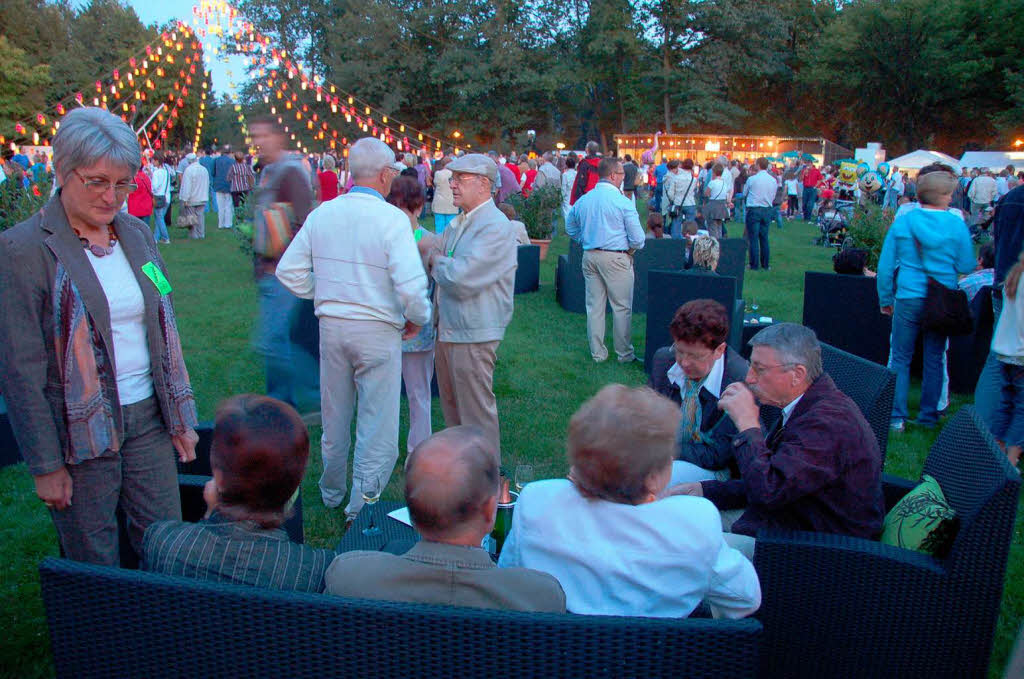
pixel 474 266
pixel 357 258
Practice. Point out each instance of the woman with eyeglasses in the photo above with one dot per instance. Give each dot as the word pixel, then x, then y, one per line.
pixel 92 368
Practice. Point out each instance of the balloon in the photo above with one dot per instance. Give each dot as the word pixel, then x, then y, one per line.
pixel 883 170
pixel 871 182
pixel 863 169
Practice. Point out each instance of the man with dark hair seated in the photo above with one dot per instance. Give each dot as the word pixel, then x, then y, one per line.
pixel 693 372
pixel 816 469
pixel 451 486
pixel 259 453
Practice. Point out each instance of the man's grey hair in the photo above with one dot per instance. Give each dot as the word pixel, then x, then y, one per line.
pixel 492 153
pixel 795 344
pixel 592 148
pixel 368 156
pixel 88 135
pixel 547 156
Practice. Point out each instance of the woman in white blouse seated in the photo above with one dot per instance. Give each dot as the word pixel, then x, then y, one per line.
pixel 616 545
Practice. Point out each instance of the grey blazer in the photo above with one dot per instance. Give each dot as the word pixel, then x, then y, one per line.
pixel 29 376
pixel 438 573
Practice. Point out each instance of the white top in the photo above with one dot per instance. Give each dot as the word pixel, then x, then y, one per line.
pixel 161 181
pixel 788 409
pixel 983 190
pixel 356 257
pixel 1008 339
pixel 444 202
pixel 719 189
pixel 907 207
pixel 127 325
pixel 713 383
pixel 793 186
pixel 568 179
pixel 1002 186
pixel 657 560
pixel 761 189
pixel 195 185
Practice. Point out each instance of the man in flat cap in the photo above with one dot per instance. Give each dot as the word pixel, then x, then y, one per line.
pixel 474 265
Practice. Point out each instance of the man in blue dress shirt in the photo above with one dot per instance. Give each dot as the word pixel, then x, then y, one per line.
pixel 606 223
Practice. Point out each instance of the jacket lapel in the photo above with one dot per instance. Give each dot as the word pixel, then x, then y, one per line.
pixel 66 246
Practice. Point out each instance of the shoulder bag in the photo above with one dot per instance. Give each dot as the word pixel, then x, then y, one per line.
pixel 946 311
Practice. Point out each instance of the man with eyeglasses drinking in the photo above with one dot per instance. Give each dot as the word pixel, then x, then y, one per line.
pixel 817 468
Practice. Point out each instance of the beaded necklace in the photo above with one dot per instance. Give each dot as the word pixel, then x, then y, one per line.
pixel 99 250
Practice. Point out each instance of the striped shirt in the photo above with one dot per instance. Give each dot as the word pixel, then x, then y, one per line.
pixel 239 552
pixel 241 177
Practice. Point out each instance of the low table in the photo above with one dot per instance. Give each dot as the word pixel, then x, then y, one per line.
pixel 750 328
pixel 390 529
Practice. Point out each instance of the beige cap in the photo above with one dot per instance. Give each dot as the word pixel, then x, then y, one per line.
pixel 475 163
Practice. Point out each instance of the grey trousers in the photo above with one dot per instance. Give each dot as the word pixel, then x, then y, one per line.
pixel 141 479
pixel 359 361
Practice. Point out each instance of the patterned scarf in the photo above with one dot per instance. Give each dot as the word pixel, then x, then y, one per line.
pixel 90 384
pixel 690 407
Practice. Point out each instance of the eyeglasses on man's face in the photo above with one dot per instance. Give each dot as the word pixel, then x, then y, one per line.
pixel 759 369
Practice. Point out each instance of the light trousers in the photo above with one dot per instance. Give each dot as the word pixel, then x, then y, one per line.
pixel 417 372
pixel 358 359
pixel 225 210
pixel 465 380
pixel 608 278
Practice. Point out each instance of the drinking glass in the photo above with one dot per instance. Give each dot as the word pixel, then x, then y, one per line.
pixel 524 474
pixel 754 306
pixel 370 487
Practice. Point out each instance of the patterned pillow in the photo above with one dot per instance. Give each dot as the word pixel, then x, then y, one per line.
pixel 922 521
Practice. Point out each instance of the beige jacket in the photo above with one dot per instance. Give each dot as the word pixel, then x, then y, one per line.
pixel 448 575
pixel 475 275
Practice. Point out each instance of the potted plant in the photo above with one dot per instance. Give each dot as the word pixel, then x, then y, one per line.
pixel 538 213
pixel 868 227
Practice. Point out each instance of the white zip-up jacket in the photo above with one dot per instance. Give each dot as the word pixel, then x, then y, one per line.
pixel 356 257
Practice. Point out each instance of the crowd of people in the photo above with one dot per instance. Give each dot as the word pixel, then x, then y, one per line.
pixel 667 485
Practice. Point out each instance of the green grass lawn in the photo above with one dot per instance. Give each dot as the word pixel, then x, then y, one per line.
pixel 544 372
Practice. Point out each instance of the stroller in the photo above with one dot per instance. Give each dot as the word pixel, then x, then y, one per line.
pixel 833 222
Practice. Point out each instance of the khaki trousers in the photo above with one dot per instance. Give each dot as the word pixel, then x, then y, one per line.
pixel 358 359
pixel 465 380
pixel 608 277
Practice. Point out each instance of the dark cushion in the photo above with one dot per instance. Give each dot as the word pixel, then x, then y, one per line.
pixel 528 270
pixel 732 260
pixel 671 289
pixel 843 311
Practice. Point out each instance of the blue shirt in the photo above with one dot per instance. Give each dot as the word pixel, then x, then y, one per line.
pixel 604 219
pixel 219 177
pixel 1008 231
pixel 367 190
pixel 946 250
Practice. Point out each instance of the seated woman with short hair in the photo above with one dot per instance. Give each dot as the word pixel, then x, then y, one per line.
pixel 606 533
pixel 259 454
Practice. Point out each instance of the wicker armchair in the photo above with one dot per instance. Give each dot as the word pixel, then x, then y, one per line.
pixel 870 385
pixel 837 606
pixel 109 622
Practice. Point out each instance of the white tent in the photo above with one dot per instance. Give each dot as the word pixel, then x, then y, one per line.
pixel 992 160
pixel 922 157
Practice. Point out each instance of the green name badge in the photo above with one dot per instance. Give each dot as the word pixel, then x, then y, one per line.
pixel 154 274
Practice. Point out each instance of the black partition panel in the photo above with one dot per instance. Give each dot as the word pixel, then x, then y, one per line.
pixel 843 311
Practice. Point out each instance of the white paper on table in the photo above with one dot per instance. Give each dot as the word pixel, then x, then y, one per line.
pixel 401 514
pixel 765 319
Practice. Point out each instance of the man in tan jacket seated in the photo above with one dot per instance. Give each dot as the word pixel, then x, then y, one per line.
pixel 451 486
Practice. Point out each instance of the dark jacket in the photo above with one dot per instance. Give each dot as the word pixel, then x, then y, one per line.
pixel 718 453
pixel 1008 231
pixel 29 374
pixel 820 472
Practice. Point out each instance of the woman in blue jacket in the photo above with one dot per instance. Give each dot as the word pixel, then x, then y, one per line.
pixel 926 242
